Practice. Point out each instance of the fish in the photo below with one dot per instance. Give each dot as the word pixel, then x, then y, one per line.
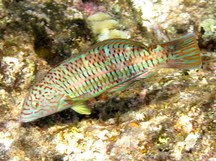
pixel 108 66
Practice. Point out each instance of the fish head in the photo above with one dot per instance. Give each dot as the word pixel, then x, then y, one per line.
pixel 41 101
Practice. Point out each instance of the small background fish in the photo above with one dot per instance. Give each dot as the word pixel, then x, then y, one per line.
pixel 108 66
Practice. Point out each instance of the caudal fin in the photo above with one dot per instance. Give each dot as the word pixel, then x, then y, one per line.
pixel 185 53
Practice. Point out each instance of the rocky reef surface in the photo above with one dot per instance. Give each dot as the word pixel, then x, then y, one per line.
pixel 170 116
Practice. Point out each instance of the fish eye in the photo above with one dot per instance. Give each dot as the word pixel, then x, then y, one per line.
pixel 35 104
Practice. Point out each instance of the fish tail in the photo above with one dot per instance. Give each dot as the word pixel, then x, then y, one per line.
pixel 185 53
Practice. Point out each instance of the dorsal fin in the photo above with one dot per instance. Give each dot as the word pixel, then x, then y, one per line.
pixel 115 41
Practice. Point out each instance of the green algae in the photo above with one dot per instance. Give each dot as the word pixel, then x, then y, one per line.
pixel 208 26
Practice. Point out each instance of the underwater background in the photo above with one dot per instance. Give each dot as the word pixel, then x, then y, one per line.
pixel 170 116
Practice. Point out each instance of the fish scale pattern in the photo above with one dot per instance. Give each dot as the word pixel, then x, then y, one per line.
pixel 103 67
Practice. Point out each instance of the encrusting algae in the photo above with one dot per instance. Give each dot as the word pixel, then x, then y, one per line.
pixel 108 66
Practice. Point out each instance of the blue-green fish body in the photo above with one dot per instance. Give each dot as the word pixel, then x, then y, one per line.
pixel 107 66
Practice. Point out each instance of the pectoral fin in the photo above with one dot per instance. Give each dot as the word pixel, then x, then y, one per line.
pixel 81 107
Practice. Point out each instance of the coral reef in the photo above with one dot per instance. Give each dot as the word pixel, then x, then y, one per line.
pixel 170 116
pixel 105 27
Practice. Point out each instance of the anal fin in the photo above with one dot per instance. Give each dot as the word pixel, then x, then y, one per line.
pixel 124 85
pixel 145 75
pixel 121 86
